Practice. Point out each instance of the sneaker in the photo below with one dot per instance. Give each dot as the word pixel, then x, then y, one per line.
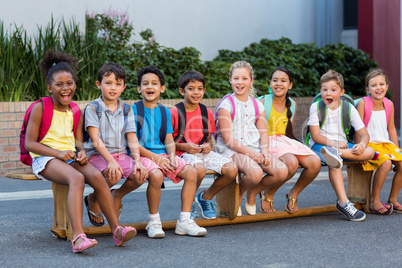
pixel 189 227
pixel 350 212
pixel 208 208
pixel 154 229
pixel 332 157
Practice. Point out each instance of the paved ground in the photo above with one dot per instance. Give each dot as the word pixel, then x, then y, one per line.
pixel 327 240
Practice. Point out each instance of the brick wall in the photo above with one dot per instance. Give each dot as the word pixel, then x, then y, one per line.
pixel 12 114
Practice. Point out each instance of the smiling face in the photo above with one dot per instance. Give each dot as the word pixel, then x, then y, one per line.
pixel 111 88
pixel 331 93
pixel 241 81
pixel 193 92
pixel 377 87
pixel 150 88
pixel 62 87
pixel 280 83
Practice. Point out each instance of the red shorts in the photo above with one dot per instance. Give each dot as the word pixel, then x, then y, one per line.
pixel 172 175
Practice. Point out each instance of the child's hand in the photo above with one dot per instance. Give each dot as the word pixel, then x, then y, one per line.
pixel 113 171
pixel 143 171
pixel 164 163
pixel 258 157
pixel 173 161
pixel 267 159
pixel 358 149
pixel 341 145
pixel 66 155
pixel 205 148
pixel 193 148
pixel 82 157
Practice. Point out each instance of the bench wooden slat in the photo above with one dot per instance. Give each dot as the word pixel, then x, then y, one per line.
pixel 22 176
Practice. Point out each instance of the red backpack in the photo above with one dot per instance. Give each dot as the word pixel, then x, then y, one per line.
pixel 47 115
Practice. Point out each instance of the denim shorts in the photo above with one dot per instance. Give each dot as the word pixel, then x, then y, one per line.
pixel 39 164
pixel 317 149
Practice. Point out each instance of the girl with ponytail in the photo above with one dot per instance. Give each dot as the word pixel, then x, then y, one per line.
pixel 280 113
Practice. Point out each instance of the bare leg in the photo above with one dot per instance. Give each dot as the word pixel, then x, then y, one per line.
pixel 312 166
pixel 336 179
pixel 396 185
pixel 155 181
pixel 378 182
pixel 189 175
pixel 229 173
pixel 60 172
pixel 367 154
pixel 201 172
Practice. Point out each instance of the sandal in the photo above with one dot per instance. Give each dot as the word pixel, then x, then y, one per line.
pixel 86 244
pixel 126 234
pixel 264 198
pixel 388 210
pixel 397 209
pixel 93 214
pixel 294 200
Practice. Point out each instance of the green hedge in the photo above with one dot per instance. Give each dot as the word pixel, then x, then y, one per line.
pixel 109 37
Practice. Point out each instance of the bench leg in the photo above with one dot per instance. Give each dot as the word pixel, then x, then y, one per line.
pixel 359 185
pixel 61 221
pixel 228 199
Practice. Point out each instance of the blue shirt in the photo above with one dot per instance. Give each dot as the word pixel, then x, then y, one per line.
pixel 148 135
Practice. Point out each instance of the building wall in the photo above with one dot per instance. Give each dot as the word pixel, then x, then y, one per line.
pixel 12 114
pixel 207 25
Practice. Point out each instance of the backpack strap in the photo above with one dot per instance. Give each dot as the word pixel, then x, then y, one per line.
pixel 181 111
pixel 163 129
pixel 368 109
pixel 140 115
pixel 229 96
pixel 345 119
pixel 76 113
pixel 321 112
pixel 47 116
pixel 204 114
pixel 126 110
pixel 257 114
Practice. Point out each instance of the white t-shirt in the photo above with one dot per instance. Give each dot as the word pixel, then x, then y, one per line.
pixel 332 128
pixel 243 124
pixel 377 127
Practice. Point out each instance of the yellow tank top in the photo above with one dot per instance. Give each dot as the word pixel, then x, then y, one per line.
pixel 60 135
pixel 277 122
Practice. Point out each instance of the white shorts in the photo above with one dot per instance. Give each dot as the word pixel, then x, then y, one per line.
pixel 213 160
pixel 39 164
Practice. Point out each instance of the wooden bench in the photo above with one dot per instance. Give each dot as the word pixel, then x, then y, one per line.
pixel 359 192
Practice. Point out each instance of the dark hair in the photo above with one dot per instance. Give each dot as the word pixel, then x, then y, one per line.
pixel 112 67
pixel 289 127
pixel 150 69
pixel 191 76
pixel 54 62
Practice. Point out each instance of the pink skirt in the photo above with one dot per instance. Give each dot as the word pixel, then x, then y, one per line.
pixel 281 144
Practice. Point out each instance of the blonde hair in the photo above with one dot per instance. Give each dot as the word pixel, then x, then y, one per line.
pixel 334 76
pixel 376 72
pixel 247 66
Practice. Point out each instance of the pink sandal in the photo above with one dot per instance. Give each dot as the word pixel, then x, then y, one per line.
pixel 126 234
pixel 88 243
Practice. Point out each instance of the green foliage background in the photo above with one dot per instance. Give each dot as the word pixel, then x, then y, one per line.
pixel 108 37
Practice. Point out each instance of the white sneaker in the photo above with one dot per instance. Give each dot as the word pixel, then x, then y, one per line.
pixel 332 157
pixel 189 227
pixel 154 229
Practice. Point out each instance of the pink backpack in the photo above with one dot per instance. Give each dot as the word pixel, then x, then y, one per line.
pixel 229 96
pixel 47 115
pixel 368 109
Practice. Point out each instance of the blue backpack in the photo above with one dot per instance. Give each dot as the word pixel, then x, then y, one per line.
pixel 268 105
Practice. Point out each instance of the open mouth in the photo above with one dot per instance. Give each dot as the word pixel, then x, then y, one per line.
pixel 66 96
pixel 329 101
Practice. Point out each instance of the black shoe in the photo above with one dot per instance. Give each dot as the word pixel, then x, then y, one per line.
pixel 350 212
